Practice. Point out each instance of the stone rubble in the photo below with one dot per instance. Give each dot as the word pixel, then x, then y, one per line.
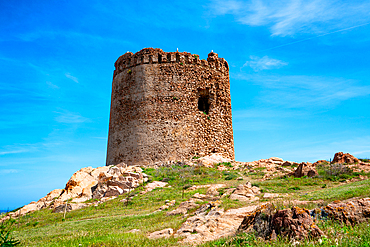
pixel 245 192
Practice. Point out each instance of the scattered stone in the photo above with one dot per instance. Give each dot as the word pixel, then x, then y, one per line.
pixel 270 195
pixel 167 205
pixel 134 231
pixel 165 233
pixel 245 192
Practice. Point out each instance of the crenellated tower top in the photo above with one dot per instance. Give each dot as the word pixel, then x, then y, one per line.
pixel 157 56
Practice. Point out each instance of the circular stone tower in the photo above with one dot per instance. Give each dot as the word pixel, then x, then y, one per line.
pixel 169 106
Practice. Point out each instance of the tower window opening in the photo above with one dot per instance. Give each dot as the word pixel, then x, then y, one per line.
pixel 204 101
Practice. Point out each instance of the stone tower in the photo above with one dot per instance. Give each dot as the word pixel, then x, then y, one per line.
pixel 169 106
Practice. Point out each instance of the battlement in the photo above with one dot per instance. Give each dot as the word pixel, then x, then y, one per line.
pixel 158 56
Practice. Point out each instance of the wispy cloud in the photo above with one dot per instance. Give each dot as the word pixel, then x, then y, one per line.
pixel 301 91
pixel 70 117
pixel 51 85
pixel 264 63
pixel 8 171
pixel 288 17
pixel 73 78
pixel 17 148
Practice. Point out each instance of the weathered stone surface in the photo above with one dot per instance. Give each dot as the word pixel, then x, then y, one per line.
pixel 88 183
pixel 341 157
pixel 267 223
pixel 295 223
pixel 213 159
pixel 169 106
pixel 305 169
pixel 165 233
pixel 212 225
pixel 183 208
pixel 350 213
pixel 51 195
pixel 245 192
pixel 79 180
pixel 151 186
pixel 271 167
pixel 67 207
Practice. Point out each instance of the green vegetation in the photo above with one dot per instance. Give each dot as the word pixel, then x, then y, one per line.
pixel 6 238
pixel 336 172
pixel 336 234
pixel 109 223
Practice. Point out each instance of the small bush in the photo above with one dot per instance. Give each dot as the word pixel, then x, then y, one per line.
pixel 6 239
pixel 336 172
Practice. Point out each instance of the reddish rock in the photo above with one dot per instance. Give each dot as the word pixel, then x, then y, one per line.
pixel 345 158
pixel 295 223
pixel 267 223
pixel 351 212
pixel 305 169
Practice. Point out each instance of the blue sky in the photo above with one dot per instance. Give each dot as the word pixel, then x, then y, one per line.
pixel 299 74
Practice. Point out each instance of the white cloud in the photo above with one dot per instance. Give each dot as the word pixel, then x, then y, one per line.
pixel 288 17
pixel 301 91
pixel 69 76
pixel 264 63
pixel 70 117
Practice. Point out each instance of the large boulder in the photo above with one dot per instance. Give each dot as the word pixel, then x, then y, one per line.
pixel 267 222
pixel 305 169
pixel 211 225
pixel 350 212
pixel 341 157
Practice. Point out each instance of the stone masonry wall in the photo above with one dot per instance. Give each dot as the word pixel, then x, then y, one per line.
pixel 169 106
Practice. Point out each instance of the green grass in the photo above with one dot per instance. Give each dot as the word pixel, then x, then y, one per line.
pixel 336 234
pixel 108 223
pixel 341 192
pixel 290 184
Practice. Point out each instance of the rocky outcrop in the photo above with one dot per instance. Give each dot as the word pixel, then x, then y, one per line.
pixel 305 169
pixel 341 157
pixel 267 222
pixel 350 212
pixel 87 183
pixel 213 224
pixel 272 167
pixel 211 160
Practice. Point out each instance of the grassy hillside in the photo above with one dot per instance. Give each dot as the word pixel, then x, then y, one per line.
pixel 108 224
